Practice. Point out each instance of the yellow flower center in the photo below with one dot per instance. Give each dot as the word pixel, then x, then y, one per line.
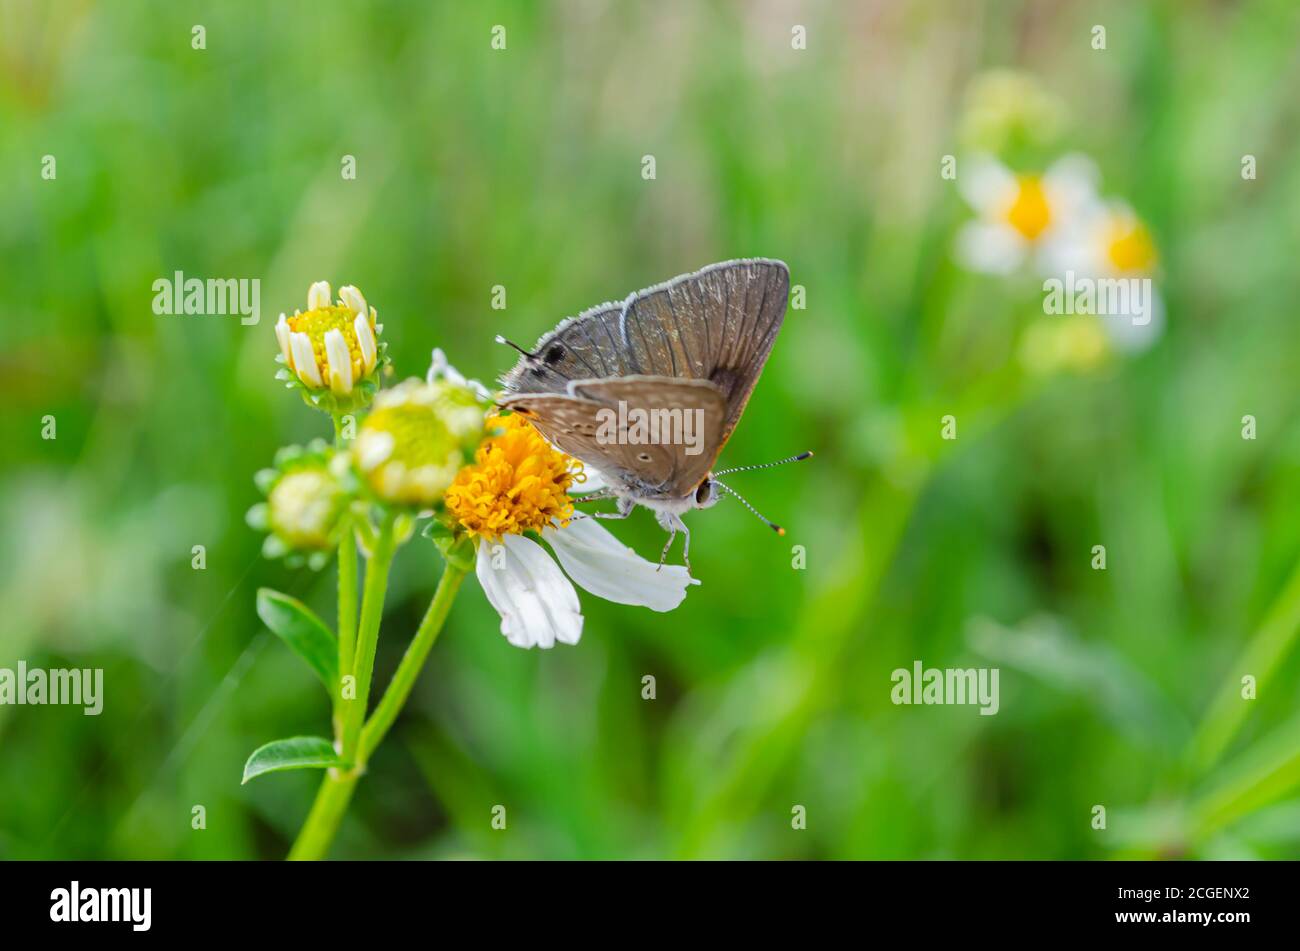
pixel 317 323
pixel 1129 247
pixel 1029 213
pixel 517 483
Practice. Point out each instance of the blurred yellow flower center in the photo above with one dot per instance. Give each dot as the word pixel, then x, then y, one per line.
pixel 317 323
pixel 304 507
pixel 1064 343
pixel 1029 213
pixel 1129 247
pixel 1083 343
pixel 517 483
pixel 420 437
pixel 407 454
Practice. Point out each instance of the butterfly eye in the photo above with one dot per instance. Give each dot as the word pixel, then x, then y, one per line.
pixel 554 354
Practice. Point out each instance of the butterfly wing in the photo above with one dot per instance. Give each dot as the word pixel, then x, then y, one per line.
pixel 585 423
pixel 716 324
pixel 582 347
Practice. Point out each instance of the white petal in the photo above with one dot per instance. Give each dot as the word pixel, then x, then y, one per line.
pixel 994 249
pixel 318 295
pixel 392 479
pixel 373 448
pixel 441 369
pixel 1071 188
pixel 353 299
pixel 986 184
pixel 1133 334
pixel 603 565
pixel 1065 251
pixel 340 362
pixel 537 604
pixel 304 361
pixel 282 335
pixel 594 481
pixel 366 341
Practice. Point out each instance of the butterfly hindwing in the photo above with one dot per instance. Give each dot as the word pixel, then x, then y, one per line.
pixel 587 424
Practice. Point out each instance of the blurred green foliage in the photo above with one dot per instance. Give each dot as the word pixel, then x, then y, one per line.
pixel 522 168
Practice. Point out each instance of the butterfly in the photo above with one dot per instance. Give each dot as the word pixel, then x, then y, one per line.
pixel 647 390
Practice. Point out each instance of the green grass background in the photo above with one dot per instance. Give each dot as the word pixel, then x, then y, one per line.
pixel 522 168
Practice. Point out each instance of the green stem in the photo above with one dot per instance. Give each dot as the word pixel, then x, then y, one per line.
pixel 326 813
pixel 412 662
pixel 337 787
pixel 347 612
pixel 347 626
pixel 372 611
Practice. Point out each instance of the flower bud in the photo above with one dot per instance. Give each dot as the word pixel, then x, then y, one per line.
pixel 332 351
pixel 305 505
pixel 416 439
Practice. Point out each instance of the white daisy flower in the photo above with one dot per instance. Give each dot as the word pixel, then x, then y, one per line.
pixel 1020 215
pixel 520 484
pixel 1110 242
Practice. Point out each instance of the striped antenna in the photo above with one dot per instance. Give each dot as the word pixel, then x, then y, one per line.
pixel 761 517
pixel 764 465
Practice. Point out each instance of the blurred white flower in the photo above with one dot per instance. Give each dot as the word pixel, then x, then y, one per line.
pixel 1107 242
pixel 1020 216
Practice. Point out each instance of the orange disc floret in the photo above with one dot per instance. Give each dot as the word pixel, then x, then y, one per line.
pixel 517 482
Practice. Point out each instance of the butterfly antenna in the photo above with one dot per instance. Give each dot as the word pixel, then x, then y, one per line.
pixel 765 465
pixel 759 515
pixel 511 343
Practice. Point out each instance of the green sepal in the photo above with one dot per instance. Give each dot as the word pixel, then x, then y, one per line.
pixel 325 399
pixel 456 551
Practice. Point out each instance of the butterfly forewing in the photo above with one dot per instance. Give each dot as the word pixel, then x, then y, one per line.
pixel 584 347
pixel 697 342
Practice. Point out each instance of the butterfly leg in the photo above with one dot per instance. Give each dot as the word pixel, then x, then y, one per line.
pixel 625 507
pixel 672 533
pixel 673 524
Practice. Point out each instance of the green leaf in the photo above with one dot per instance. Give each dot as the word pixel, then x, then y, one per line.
pixel 295 624
pixel 1264 774
pixel 296 752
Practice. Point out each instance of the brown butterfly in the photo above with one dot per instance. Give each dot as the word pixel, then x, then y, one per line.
pixel 647 390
